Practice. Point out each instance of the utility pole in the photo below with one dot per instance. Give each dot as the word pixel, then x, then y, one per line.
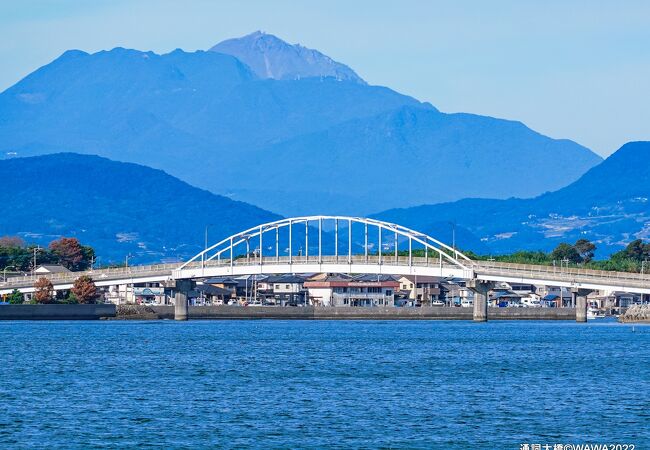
pixel 36 249
pixel 206 235
pixel 453 237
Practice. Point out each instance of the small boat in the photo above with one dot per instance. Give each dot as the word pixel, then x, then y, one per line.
pixel 594 313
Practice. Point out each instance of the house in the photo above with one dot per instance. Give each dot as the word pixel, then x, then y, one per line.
pixel 282 290
pixel 559 296
pixel 455 293
pixel 504 298
pixel 206 294
pixel 550 301
pixel 51 268
pixel 625 299
pixel 227 283
pixel 421 289
pixel 141 293
pixel 343 290
pixel 149 293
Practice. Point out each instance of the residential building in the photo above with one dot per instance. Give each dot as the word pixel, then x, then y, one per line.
pixel 342 290
pixel 502 297
pixel 456 293
pixel 46 269
pixel 555 296
pixel 422 290
pixel 227 283
pixel 206 294
pixel 149 293
pixel 283 290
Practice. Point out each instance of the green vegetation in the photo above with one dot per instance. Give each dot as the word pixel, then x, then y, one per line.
pixel 580 254
pixel 15 298
pixel 18 256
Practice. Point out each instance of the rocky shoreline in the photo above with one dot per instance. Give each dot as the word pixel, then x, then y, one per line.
pixel 636 314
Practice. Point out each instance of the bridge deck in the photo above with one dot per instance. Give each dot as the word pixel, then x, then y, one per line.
pixel 485 270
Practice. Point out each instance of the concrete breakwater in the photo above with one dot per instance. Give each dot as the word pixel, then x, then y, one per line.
pixel 636 313
pixel 57 312
pixel 141 312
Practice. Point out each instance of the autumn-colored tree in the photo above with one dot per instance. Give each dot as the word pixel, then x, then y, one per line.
pixel 44 292
pixel 68 252
pixel 11 242
pixel 84 289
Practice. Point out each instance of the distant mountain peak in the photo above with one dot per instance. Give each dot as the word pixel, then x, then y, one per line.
pixel 271 57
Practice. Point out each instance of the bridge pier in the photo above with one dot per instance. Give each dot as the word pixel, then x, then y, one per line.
pixel 481 290
pixel 580 300
pixel 182 288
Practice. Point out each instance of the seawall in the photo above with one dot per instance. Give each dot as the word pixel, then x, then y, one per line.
pixel 57 312
pixel 140 312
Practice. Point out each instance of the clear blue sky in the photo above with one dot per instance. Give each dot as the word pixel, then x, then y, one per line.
pixel 568 69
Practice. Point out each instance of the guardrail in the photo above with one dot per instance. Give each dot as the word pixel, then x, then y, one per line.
pixel 99 274
pixel 486 268
pixel 329 259
pixel 559 273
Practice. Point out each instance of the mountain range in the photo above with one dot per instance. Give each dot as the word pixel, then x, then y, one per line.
pixel 277 125
pixel 124 208
pixel 608 205
pixel 117 208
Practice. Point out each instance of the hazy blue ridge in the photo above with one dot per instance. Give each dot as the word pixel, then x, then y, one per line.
pixel 608 205
pixel 406 157
pixel 118 208
pixel 326 144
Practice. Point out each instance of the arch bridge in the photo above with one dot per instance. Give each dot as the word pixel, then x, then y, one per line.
pixel 337 244
pixel 341 244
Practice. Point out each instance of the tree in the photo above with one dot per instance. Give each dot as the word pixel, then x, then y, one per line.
pixel 12 242
pixel 585 249
pixel 44 292
pixel 636 250
pixel 68 252
pixel 566 251
pixel 16 297
pixel 88 257
pixel 84 289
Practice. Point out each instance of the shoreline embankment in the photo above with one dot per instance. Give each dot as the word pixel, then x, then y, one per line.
pixel 228 312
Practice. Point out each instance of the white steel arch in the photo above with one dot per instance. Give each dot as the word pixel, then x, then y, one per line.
pixel 223 252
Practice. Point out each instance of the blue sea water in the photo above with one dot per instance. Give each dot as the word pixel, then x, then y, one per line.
pixel 322 384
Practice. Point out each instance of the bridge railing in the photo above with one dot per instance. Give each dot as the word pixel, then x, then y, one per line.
pixel 96 274
pixel 327 259
pixel 557 273
pixel 479 267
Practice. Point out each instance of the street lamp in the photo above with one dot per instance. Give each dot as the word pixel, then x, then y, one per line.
pixel 126 260
pixel 4 273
